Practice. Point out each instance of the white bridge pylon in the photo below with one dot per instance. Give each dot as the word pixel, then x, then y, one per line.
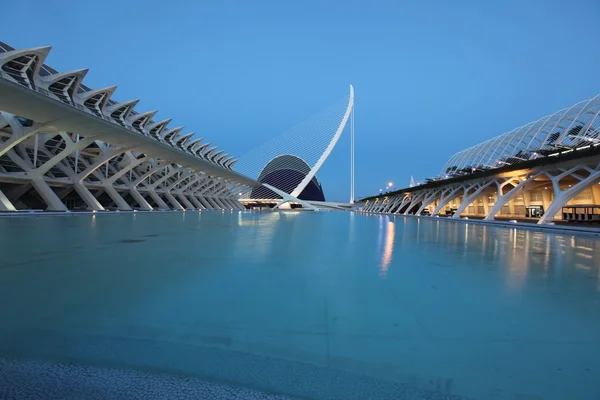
pixel 309 142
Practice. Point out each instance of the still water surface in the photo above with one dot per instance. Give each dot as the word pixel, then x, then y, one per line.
pixel 314 305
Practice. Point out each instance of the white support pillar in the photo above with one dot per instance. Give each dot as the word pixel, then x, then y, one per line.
pixel 239 205
pixel 384 203
pixel 562 197
pixel 502 199
pixel 235 204
pixel 223 205
pixel 414 201
pixel 216 203
pixel 468 199
pixel 117 198
pixel 87 196
pixel 185 201
pixel 5 204
pixel 391 204
pixel 227 204
pixel 161 204
pixel 50 198
pixel 207 205
pixel 429 198
pixel 195 201
pixel 15 193
pixel 172 200
pixel 140 199
pixel 372 205
pixel 210 201
pixel 446 197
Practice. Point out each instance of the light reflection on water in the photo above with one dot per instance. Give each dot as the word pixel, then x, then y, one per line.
pixel 519 251
pixel 461 308
pixel 388 247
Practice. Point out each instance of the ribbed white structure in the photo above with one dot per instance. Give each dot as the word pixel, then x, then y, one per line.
pixel 565 130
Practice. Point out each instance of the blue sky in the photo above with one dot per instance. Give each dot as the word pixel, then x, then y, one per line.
pixel 431 77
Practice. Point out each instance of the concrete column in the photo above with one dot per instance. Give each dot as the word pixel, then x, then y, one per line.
pixel 174 202
pixel 140 199
pixel 16 192
pixel 5 204
pixel 117 198
pixel 195 201
pixel 88 197
pixel 233 204
pixel 223 205
pixel 185 201
pixel 161 204
pixel 50 198
pixel 207 205
pixel 220 202
pixel 212 203
pixel 227 204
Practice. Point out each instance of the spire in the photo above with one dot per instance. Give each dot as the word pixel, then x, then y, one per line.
pixel 412 182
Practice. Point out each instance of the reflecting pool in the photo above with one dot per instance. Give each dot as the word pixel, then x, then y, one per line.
pixel 308 305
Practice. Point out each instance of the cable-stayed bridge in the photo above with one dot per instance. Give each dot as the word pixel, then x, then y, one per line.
pixel 287 165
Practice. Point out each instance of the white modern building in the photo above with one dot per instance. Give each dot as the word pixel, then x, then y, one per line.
pixel 66 146
pixel 545 171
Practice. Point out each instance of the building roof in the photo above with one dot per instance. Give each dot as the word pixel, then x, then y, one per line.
pixel 577 127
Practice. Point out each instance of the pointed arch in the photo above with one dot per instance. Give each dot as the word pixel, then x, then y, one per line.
pixel 170 132
pixel 200 150
pixel 221 159
pixel 119 112
pixel 182 140
pixel 206 155
pixel 95 100
pixel 192 145
pixel 64 85
pixel 156 128
pixel 214 157
pixel 23 66
pixel 139 121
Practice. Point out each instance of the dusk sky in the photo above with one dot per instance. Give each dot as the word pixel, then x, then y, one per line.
pixel 431 77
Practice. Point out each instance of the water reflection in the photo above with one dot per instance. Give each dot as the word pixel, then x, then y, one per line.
pixel 520 255
pixel 388 247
